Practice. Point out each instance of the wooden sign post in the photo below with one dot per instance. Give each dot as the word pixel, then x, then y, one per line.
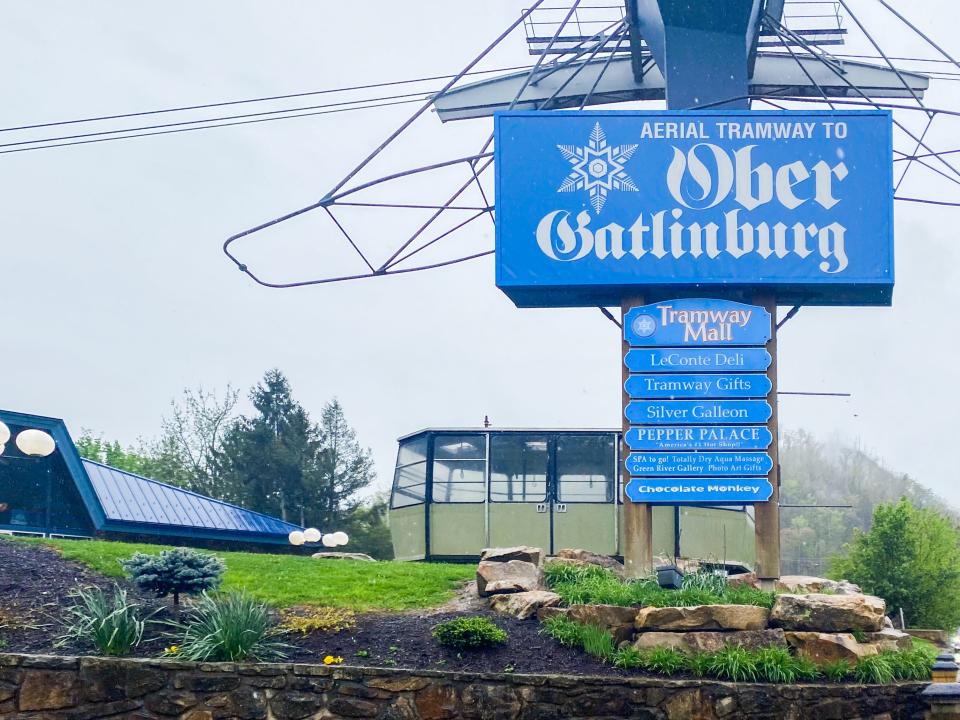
pixel 767 515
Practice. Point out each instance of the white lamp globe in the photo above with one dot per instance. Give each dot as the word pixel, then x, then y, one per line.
pixel 296 538
pixel 4 433
pixel 341 538
pixel 35 443
pixel 328 541
pixel 311 535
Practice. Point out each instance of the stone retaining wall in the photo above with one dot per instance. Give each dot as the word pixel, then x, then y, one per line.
pixel 34 687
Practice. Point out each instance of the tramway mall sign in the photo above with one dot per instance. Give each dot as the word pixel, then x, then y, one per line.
pixel 594 205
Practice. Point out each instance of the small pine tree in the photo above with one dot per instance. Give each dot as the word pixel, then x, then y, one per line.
pixel 176 571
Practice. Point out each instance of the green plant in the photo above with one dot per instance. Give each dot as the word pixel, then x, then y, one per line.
pixel 362 653
pixel 628 658
pixel 468 633
pixel 665 661
pixel 874 669
pixel 910 664
pixel 107 620
pixel 597 642
pixel 306 620
pixel 859 635
pixel 776 665
pixel 564 630
pixel 706 581
pixel 733 663
pixel 807 669
pixel 699 664
pixel 175 572
pixel 229 628
pixel 837 670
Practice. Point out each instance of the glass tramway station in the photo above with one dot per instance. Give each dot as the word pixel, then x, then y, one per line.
pixel 459 490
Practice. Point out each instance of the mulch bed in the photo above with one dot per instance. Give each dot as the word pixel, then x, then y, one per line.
pixel 35 583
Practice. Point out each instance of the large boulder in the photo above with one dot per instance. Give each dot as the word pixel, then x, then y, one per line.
pixel 520 552
pixel 615 618
pixel 576 556
pixel 703 617
pixel 512 576
pixel 828 613
pixel 523 605
pixel 744 580
pixel 696 642
pixel 889 639
pixel 806 584
pixel 829 647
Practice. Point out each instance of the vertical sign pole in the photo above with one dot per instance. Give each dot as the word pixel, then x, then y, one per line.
pixel 637 517
pixel 767 515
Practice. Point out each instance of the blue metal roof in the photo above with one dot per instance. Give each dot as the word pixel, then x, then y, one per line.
pixel 122 502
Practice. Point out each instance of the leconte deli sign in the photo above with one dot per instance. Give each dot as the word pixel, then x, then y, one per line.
pixel 593 204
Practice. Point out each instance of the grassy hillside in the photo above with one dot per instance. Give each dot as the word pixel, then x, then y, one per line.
pixel 285 580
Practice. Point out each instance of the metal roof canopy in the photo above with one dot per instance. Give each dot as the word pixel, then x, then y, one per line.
pixel 123 502
pixel 669 42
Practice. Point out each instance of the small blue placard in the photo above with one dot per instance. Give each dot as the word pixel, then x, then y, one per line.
pixel 697 360
pixel 717 437
pixel 697 412
pixel 698 386
pixel 698 322
pixel 696 491
pixel 652 464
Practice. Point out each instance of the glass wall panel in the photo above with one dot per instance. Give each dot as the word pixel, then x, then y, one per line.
pixel 459 468
pixel 412 450
pixel 585 468
pixel 518 468
pixel 410 477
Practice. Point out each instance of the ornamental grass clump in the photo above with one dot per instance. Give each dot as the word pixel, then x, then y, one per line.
pixel 176 572
pixel 469 633
pixel 228 628
pixel 874 670
pixel 598 642
pixel 105 620
pixel 564 630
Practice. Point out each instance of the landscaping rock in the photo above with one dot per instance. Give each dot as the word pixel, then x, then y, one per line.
pixel 523 605
pixel 694 642
pixel 585 557
pixel 507 577
pixel 703 617
pixel 829 647
pixel 342 556
pixel 806 584
pixel 940 638
pixel 889 639
pixel 744 580
pixel 828 613
pixel 615 618
pixel 521 552
pixel 552 611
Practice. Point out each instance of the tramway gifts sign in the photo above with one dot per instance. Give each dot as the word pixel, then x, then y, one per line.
pixel 595 205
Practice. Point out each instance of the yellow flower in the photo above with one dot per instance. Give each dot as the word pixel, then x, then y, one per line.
pixel 331 660
pixel 173 649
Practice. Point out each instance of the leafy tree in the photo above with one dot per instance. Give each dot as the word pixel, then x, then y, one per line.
pixel 175 572
pixel 96 448
pixel 911 558
pixel 368 529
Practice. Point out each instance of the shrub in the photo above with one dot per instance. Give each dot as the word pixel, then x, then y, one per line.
pixel 699 664
pixel 469 633
pixel 910 664
pixel 105 620
pixel 229 628
pixel 306 620
pixel 628 658
pixel 807 669
pixel 597 642
pixel 665 661
pixel 874 669
pixel 564 630
pixel 175 572
pixel 837 670
pixel 775 665
pixel 733 663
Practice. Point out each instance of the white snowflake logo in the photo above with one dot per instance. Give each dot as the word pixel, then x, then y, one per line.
pixel 597 167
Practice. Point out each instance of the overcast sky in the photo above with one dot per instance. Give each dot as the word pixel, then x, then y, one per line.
pixel 116 294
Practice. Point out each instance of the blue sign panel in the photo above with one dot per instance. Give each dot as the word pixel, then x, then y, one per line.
pixel 697 360
pixel 697 412
pixel 692 464
pixel 594 205
pixel 697 322
pixel 687 491
pixel 698 386
pixel 716 437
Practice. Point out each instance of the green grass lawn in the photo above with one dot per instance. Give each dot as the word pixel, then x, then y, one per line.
pixel 285 580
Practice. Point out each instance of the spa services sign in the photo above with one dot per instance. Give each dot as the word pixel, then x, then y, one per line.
pixel 594 205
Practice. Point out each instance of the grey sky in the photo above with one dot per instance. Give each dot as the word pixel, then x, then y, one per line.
pixel 116 294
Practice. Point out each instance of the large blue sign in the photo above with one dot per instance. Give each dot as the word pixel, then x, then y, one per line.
pixel 698 386
pixel 686 491
pixel 697 360
pixel 722 464
pixel 696 322
pixel 715 437
pixel 594 205
pixel 697 412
